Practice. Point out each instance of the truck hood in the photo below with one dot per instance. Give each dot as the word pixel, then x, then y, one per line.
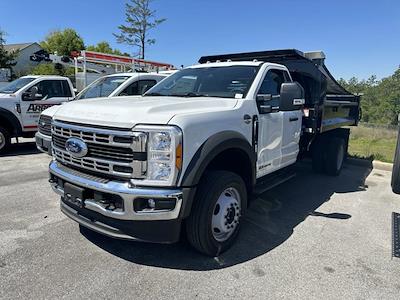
pixel 126 112
pixel 7 96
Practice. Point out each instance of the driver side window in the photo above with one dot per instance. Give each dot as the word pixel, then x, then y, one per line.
pixel 272 85
pixel 47 89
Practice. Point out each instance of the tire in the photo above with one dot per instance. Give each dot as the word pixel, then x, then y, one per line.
pixel 335 155
pixel 318 157
pixel 216 193
pixel 5 140
pixel 396 168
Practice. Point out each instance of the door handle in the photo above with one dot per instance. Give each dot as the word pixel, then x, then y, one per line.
pixel 292 119
pixel 247 119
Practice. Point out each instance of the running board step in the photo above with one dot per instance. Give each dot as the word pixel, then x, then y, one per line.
pixel 274 179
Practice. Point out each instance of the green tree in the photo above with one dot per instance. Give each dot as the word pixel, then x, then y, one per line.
pixel 140 20
pixel 52 69
pixel 6 58
pixel 104 47
pixel 380 101
pixel 63 42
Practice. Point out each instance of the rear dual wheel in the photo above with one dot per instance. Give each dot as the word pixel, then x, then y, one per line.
pixel 328 155
pixel 214 222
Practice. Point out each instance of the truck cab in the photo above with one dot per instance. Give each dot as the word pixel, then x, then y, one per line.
pixel 22 101
pixel 194 149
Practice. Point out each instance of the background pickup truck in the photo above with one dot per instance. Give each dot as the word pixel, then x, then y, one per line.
pixel 22 101
pixel 195 148
pixel 119 84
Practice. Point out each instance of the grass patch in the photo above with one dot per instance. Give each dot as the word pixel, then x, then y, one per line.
pixel 373 143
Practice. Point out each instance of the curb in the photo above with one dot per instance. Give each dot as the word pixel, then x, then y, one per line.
pixel 375 164
pixel 380 165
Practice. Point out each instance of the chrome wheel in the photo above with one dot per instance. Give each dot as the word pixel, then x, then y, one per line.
pixel 2 140
pixel 226 214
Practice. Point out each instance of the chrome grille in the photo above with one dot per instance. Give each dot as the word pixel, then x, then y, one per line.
pixel 44 125
pixel 112 152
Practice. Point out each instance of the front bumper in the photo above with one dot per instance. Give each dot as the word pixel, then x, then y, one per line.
pixel 43 142
pixel 126 222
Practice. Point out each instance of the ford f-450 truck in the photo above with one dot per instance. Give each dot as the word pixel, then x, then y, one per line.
pixel 195 148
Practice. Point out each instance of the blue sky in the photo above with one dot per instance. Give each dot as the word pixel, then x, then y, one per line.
pixel 360 38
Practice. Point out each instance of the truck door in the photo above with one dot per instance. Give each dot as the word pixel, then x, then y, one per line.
pixel 278 130
pixel 292 121
pixel 40 96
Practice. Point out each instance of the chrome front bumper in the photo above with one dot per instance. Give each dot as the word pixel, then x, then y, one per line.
pixel 43 142
pixel 123 190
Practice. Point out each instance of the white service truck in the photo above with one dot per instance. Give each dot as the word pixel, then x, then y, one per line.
pixel 22 101
pixel 193 150
pixel 115 85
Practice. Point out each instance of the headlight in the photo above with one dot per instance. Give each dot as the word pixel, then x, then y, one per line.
pixel 164 154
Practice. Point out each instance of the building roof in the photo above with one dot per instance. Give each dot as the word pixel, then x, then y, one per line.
pixel 18 47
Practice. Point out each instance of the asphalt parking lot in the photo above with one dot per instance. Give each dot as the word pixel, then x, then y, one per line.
pixel 312 237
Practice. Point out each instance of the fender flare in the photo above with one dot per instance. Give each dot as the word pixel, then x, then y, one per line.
pixel 212 147
pixel 209 150
pixel 12 120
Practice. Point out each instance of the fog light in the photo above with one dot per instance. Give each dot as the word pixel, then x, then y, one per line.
pixel 153 204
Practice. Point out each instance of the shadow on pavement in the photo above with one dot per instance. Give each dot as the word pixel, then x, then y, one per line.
pixel 269 222
pixel 22 148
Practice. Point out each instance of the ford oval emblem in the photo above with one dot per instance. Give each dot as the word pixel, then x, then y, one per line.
pixel 76 147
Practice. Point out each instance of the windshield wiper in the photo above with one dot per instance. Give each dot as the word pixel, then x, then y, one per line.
pixel 190 94
pixel 154 94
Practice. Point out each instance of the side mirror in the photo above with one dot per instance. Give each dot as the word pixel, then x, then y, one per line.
pixel 265 109
pixel 263 97
pixel 292 96
pixel 146 88
pixel 261 100
pixel 32 94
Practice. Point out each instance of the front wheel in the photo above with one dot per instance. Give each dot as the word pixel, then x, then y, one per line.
pixel 216 213
pixel 5 140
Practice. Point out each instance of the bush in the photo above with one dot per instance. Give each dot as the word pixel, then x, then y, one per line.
pixel 52 69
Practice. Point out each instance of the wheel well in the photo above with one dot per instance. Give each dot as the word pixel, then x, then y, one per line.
pixel 10 122
pixel 236 161
pixel 342 133
pixel 5 123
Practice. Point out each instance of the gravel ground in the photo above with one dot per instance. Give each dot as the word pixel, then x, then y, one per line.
pixel 312 237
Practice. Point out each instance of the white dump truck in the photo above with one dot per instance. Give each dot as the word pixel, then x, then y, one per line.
pixel 195 148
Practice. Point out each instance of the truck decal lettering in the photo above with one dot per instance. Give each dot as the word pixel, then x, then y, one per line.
pixel 35 108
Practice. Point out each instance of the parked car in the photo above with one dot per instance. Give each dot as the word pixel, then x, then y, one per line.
pixel 195 148
pixel 119 84
pixel 22 101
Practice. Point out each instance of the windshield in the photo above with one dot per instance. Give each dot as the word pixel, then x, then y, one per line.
pixel 225 82
pixel 102 87
pixel 16 85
